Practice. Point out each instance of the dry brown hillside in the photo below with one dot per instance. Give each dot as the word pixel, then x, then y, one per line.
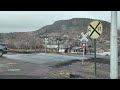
pixel 69 30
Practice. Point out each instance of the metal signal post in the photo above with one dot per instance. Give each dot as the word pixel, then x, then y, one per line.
pixel 95 57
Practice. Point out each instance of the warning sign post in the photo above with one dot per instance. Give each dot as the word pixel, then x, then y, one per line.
pixel 94 31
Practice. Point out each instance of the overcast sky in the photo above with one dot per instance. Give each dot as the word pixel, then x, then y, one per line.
pixel 22 21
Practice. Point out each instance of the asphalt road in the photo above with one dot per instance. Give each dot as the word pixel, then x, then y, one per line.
pixel 32 66
pixel 38 66
pixel 42 58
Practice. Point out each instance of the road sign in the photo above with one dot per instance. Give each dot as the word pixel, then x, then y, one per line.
pixel 84 37
pixel 95 29
pixel 46 40
pixel 84 42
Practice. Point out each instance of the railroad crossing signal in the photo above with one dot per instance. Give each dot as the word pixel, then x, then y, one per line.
pixel 84 42
pixel 95 29
pixel 84 37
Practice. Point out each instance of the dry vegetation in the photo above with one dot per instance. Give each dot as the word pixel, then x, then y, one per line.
pixel 35 40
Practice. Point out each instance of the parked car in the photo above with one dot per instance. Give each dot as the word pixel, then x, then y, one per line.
pixel 3 49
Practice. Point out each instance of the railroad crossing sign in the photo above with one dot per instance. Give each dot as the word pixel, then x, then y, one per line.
pixel 84 37
pixel 46 40
pixel 95 29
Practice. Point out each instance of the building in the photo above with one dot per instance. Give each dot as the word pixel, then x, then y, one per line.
pixel 54 48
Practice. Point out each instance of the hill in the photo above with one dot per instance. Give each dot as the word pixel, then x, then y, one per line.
pixel 69 31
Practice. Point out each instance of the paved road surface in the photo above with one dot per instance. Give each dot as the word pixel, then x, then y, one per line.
pixel 35 66
pixel 41 58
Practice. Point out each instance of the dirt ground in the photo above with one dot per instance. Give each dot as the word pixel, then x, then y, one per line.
pixel 86 70
pixel 13 69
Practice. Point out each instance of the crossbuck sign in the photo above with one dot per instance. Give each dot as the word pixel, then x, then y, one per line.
pixel 46 40
pixel 84 37
pixel 95 29
pixel 84 41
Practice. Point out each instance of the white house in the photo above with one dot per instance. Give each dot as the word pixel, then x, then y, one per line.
pixel 55 48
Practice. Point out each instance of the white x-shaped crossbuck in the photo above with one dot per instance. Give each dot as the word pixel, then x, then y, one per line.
pixel 46 40
pixel 84 37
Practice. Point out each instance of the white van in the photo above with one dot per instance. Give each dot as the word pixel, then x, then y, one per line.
pixel 3 49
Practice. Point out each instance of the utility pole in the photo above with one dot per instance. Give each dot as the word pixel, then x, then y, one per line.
pixel 59 40
pixel 46 41
pixel 114 47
